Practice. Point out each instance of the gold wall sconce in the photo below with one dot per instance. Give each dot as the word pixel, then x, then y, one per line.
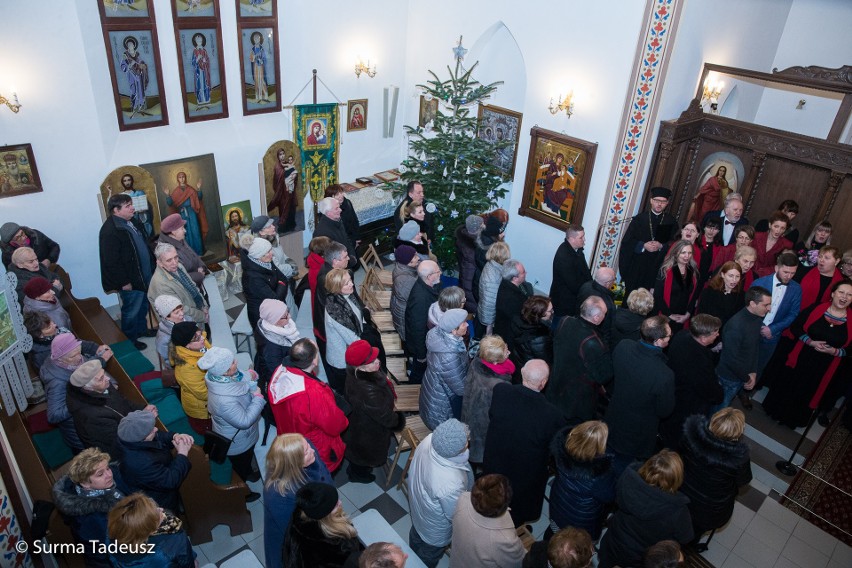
pixel 566 104
pixel 361 68
pixel 12 103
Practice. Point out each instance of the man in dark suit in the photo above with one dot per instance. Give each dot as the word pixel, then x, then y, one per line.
pixel 786 301
pixel 599 286
pixel 517 444
pixel 732 217
pixel 510 296
pixel 646 242
pixel 570 271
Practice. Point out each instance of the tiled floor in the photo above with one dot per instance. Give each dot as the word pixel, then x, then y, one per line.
pixel 761 533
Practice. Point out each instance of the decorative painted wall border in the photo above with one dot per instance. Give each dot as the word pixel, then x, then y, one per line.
pixel 653 53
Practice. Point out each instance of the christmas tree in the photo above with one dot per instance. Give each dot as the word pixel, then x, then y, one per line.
pixel 455 167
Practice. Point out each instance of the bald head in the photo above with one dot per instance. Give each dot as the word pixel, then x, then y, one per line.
pixel 535 374
pixel 429 272
pixel 605 276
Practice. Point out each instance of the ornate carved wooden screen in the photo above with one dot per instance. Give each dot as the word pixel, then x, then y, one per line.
pixel 769 164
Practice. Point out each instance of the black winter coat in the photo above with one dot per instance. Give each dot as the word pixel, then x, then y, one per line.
pixel 521 425
pixel 336 231
pixel 466 257
pixel 373 419
pixel 643 395
pixel 42 245
pixel 259 284
pixel 592 288
pixel 510 300
pixel 119 262
pixel 625 325
pixel 697 389
pixel 645 516
pixel 530 341
pixel 581 490
pixel 581 364
pixel 96 416
pixel 150 467
pixel 350 221
pixel 570 271
pixel 305 546
pixel 417 316
pixel 713 472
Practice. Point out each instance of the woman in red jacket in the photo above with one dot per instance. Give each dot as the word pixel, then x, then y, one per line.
pixel 771 243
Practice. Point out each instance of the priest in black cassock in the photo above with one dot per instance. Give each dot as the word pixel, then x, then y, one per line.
pixel 646 242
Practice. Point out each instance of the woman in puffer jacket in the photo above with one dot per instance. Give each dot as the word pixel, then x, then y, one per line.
pixel 585 483
pixel 235 403
pixel 446 369
pixel 489 284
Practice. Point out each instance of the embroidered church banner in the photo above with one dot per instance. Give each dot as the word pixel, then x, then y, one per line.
pixel 317 135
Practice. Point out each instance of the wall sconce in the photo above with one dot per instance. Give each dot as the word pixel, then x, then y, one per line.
pixel 13 106
pixel 361 68
pixel 711 94
pixel 801 104
pixel 566 104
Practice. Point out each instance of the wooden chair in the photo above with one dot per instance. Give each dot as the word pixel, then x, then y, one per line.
pixel 367 295
pixel 370 259
pixel 407 398
pixel 398 367
pixel 392 343
pixel 383 320
pixel 411 435
pixel 381 294
pixel 527 539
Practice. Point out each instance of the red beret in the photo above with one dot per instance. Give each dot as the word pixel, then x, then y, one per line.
pixel 36 287
pixel 360 353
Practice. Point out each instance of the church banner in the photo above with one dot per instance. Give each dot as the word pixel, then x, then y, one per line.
pixel 317 135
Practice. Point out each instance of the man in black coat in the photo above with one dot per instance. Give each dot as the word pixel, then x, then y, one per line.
pixel 645 243
pixel 510 297
pixel 127 264
pixel 517 445
pixel 414 192
pixel 644 393
pixel 599 286
pixel 423 294
pixel 738 364
pixel 147 464
pixel 335 256
pixel 466 236
pixel 329 225
pixel 570 271
pixel 697 389
pixel 13 236
pixel 731 217
pixel 582 363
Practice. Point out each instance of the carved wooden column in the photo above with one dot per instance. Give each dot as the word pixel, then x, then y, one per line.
pixel 748 189
pixel 682 182
pixel 666 148
pixel 829 197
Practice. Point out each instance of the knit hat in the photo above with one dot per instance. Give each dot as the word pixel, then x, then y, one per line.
pixel 473 224
pixel 262 222
pixel 84 374
pixel 172 223
pixel 183 332
pixel 404 253
pixel 493 227
pixel 273 310
pixel 409 231
pixel 360 353
pixel 452 319
pixel 450 438
pixel 661 192
pixel 258 248
pixel 63 344
pixel 8 230
pixel 166 304
pixel 216 361
pixel 317 500
pixel 136 426
pixel 36 287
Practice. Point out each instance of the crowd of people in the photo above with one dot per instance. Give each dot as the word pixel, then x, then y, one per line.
pixel 629 405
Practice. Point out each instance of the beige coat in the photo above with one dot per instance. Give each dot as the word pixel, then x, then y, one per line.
pixel 484 541
pixel 163 282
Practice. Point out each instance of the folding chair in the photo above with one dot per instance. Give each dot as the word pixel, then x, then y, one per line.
pixel 407 398
pixel 371 259
pixel 412 436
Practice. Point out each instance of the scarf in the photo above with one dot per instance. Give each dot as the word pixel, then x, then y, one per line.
pixel 83 492
pixel 504 368
pixel 817 313
pixel 266 265
pixel 185 281
pixel 278 335
pixel 667 287
pixel 235 378
pixel 810 287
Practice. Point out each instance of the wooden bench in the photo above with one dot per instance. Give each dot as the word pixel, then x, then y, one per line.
pixel 206 504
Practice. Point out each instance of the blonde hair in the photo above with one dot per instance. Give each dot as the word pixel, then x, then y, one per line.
pixel 334 280
pixel 586 441
pixel 492 349
pixel 410 209
pixel 728 424
pixel 745 251
pixel 498 252
pixel 133 519
pixel 335 525
pixel 640 301
pixel 663 470
pixel 84 464
pixel 285 463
